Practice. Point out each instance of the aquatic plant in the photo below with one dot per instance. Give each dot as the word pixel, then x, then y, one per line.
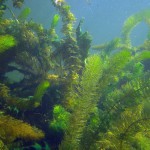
pixel 24 14
pixel 85 102
pixel 67 17
pixel 131 94
pixel 18 3
pixel 2 8
pixel 2 146
pixel 114 65
pixel 12 102
pixel 4 91
pixel 90 101
pixel 39 92
pixel 60 119
pixel 124 42
pixel 55 21
pixel 131 22
pixel 11 129
pixel 142 141
pixel 109 46
pixel 84 40
pixel 6 42
pixel 54 36
pixel 69 49
pixel 23 104
pixel 121 135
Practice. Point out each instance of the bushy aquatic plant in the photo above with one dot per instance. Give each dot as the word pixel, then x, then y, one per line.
pixel 60 119
pixel 129 124
pixel 113 66
pixel 131 94
pixel 142 141
pixel 100 94
pixel 23 104
pixel 11 129
pixel 2 146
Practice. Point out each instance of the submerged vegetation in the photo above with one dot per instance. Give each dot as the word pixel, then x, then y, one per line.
pixel 6 42
pixel 66 98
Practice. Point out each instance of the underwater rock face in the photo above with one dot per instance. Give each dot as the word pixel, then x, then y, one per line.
pixel 57 91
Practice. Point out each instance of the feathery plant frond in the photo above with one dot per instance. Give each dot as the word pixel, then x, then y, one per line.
pixel 113 66
pixel 130 94
pixel 86 100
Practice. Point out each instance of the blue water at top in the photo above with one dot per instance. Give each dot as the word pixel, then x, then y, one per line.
pixel 103 18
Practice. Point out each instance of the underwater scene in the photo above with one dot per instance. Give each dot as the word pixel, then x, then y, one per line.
pixel 74 75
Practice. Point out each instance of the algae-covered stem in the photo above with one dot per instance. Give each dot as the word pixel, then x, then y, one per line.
pixel 69 48
pixel 13 14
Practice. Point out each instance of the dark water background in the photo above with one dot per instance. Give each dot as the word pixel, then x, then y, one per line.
pixel 103 18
